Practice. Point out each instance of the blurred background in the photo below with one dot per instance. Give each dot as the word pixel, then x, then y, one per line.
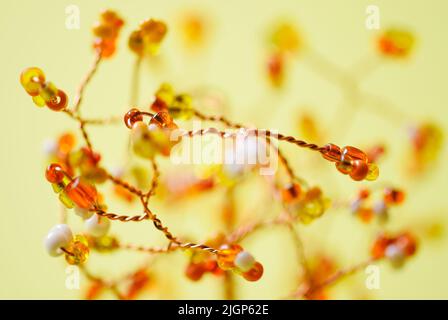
pixel 229 61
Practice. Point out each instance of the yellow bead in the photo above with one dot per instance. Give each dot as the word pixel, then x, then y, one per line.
pixel 32 80
pixel 39 101
pixel 66 201
pixel 373 173
pixel 77 251
pixel 49 91
pixel 165 93
pixel 182 107
pixel 141 141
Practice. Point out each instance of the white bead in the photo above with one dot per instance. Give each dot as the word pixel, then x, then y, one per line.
pixel 83 213
pixel 59 236
pixel 97 226
pixel 244 261
pixel 395 255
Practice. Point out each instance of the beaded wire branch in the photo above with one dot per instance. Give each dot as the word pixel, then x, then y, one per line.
pixel 74 173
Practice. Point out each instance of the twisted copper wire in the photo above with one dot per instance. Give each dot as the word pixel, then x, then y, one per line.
pixel 147 249
pixel 125 185
pixel 203 247
pixel 123 218
pixel 86 80
pixel 155 181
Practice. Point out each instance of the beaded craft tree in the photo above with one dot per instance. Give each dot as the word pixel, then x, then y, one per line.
pixel 75 172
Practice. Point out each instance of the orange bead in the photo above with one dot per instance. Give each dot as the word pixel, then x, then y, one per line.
pixel 360 170
pixel 159 105
pixel 349 153
pixel 364 193
pixel 82 194
pixel 255 273
pixel 379 246
pixel 163 120
pixel 227 255
pixel 106 47
pixel 344 167
pixel 291 193
pixel 407 243
pixel 54 173
pixel 58 102
pixel 393 196
pixel 195 271
pixel 131 117
pixel 332 152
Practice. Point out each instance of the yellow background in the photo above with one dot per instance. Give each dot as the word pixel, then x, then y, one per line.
pixel 33 33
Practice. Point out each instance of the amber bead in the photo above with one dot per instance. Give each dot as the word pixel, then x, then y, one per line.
pixel 136 43
pixel 153 30
pixel 131 117
pixel 255 273
pixel 104 31
pixel 163 120
pixel 77 251
pixel 66 143
pixel 393 196
pixel 58 102
pixel 110 17
pixel 227 255
pixel 291 193
pixel 195 271
pixel 82 194
pixel 344 167
pixel 54 173
pixel 49 91
pixel 359 171
pixel 373 173
pixel 349 153
pixel 396 43
pixel 379 247
pixel 32 80
pixel 332 152
pixel 407 243
pixel 106 47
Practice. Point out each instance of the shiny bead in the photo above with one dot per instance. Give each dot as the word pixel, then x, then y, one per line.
pixel 58 237
pixel 39 101
pixel 255 273
pixel 54 173
pixel 165 93
pixel 393 196
pixel 332 152
pixel 58 102
pixel 407 243
pixel 349 153
pixel 291 193
pixel 373 172
pixel 31 80
pixel 154 30
pixel 244 261
pixel 163 120
pixel 77 251
pixel 344 167
pixel 106 47
pixel 97 226
pixel 395 255
pixel 49 91
pixel 136 43
pixel 379 246
pixel 131 117
pixel 141 141
pixel 359 171
pixel 195 271
pixel 227 255
pixel 66 200
pixel 82 194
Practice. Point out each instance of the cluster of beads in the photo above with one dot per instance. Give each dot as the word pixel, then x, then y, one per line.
pixel 396 43
pixel 307 205
pixel 179 106
pixel 106 32
pixel 148 37
pixel 395 248
pixel 72 192
pixel 60 240
pixel 43 92
pixel 352 161
pixel 151 139
pixel 362 208
pixel 233 258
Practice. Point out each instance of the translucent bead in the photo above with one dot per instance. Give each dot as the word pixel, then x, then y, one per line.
pixel 332 152
pixel 31 80
pixel 77 251
pixel 286 38
pixel 141 141
pixel 407 243
pixel 395 255
pixel 97 226
pixel 58 102
pixel 66 200
pixel 379 246
pixel 344 167
pixel 227 255
pixel 396 43
pixel 165 93
pixel 54 173
pixel 359 171
pixel 255 273
pixel 105 243
pixel 58 237
pixel 163 120
pixel 102 30
pixel 244 261
pixel 131 117
pixel 66 143
pixel 291 193
pixel 39 101
pixel 106 47
pixel 110 17
pixel 181 107
pixel 81 193
pixel 352 153
pixel 195 271
pixel 153 32
pixel 49 91
pixel 136 43
pixel 373 172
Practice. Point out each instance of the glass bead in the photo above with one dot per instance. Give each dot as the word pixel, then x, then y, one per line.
pixel 153 30
pixel 131 117
pixel 81 193
pixel 78 251
pixel 407 243
pixel 195 271
pixel 255 273
pixel 286 38
pixel 54 173
pixel 393 196
pixel 163 120
pixel 373 172
pixel 291 193
pixel 379 246
pixel 57 187
pixel 66 200
pixel 136 43
pixel 141 141
pixel 110 17
pixel 106 47
pixel 227 255
pixel 396 43
pixel 181 107
pixel 105 31
pixel 344 167
pixel 105 243
pixel 58 102
pixel 31 80
pixel 244 261
pixel 349 153
pixel 332 152
pixel 39 101
pixel 66 143
pixel 359 171
pixel 49 91
pixel 165 93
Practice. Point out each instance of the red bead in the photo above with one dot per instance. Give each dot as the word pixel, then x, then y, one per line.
pixel 379 246
pixel 255 273
pixel 195 271
pixel 59 102
pixel 360 170
pixel 54 173
pixel 352 153
pixel 393 196
pixel 131 117
pixel 332 152
pixel 82 194
pixel 407 243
